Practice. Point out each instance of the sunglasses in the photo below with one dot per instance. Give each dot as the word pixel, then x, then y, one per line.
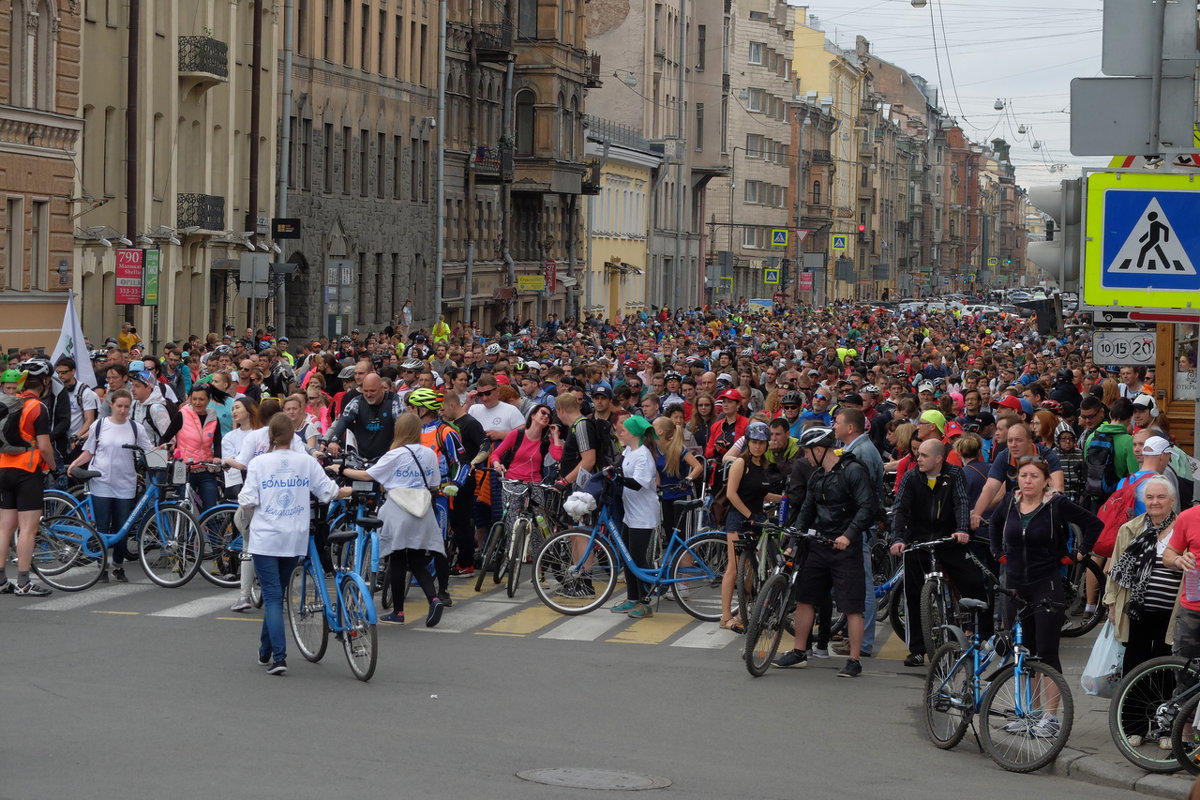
pixel 790 405
pixel 484 394
pixel 1023 460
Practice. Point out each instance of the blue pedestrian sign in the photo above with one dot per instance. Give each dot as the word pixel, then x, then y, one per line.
pixel 771 275
pixel 779 237
pixel 1142 243
pixel 838 241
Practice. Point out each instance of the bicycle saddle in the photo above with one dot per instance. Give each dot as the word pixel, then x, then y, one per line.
pixel 342 535
pixel 81 474
pixel 369 523
pixel 689 505
pixel 971 604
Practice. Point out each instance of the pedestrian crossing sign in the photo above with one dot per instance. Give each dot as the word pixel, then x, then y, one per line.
pixel 779 237
pixel 1141 244
pixel 838 242
pixel 771 275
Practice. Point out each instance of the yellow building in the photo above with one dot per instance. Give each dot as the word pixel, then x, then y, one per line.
pixel 618 221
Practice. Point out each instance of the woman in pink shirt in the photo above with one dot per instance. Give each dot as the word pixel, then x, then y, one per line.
pixel 521 455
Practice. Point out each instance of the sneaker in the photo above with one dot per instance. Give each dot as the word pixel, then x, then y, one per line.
pixel 263 660
pixel 462 572
pixel 242 604
pixel 915 660
pixel 820 652
pixel 393 618
pixel 1135 741
pixel 852 669
pixel 103 577
pixel 32 589
pixel 682 589
pixel 640 611
pixel 1047 728
pixel 1020 725
pixel 1164 743
pixel 446 599
pixel 578 591
pixel 278 668
pixel 118 575
pixel 8 588
pixel 791 659
pixel 623 608
pixel 435 613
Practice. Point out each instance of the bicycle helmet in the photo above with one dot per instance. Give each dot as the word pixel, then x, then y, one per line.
pixel 522 365
pixel 492 349
pixel 758 432
pixel 425 398
pixel 1065 375
pixel 10 376
pixel 411 364
pixel 673 376
pixel 35 367
pixel 818 437
pixel 792 399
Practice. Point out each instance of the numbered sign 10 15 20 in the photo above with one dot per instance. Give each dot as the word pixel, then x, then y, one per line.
pixel 1120 348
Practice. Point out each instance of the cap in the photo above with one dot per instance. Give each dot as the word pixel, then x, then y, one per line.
pixel 638 426
pixel 145 376
pixel 730 394
pixel 1143 401
pixel 934 417
pixel 953 429
pixel 136 366
pixel 602 391
pixel 926 386
pixel 1156 446
pixel 1008 401
pixel 725 377
pixel 852 399
pixel 502 380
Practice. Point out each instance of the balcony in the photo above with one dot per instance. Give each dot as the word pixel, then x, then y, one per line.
pixel 868 106
pixel 494 42
pixel 816 214
pixel 866 150
pixel 592 64
pixel 203 59
pixel 44 132
pixel 493 164
pixel 822 157
pixel 206 212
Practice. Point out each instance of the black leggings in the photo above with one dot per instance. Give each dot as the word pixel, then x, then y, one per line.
pixel 416 562
pixel 1147 638
pixel 638 542
pixel 1041 630
pixel 462 523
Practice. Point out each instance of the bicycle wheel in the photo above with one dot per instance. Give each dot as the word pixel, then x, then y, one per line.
pixel 306 612
pixel 516 553
pixel 385 584
pixel 68 553
pixel 500 557
pixel 766 625
pixel 358 639
pixel 574 575
pixel 701 565
pixel 1143 706
pixel 1026 717
pixel 933 614
pixel 1185 740
pixel 171 546
pixel 1078 619
pixel 896 610
pixel 747 585
pixel 221 562
pixel 256 593
pixel 57 503
pixel 490 543
pixel 949 696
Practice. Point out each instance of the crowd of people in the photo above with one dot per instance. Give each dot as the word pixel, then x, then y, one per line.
pixel 861 420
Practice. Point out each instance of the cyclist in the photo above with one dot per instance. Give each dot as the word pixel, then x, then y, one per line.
pixel 149 406
pixel 454 469
pixel 637 478
pixel 931 503
pixel 114 492
pixel 747 488
pixel 839 504
pixel 22 482
pixel 462 511
pixel 370 416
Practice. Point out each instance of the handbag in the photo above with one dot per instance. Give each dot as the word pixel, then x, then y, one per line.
pixel 417 502
pixel 1102 672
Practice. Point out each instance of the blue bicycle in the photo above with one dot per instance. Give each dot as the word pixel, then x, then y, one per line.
pixel 1025 706
pixel 350 614
pixel 577 570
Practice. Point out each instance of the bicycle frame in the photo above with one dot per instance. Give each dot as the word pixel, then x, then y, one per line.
pixel 334 614
pixel 624 560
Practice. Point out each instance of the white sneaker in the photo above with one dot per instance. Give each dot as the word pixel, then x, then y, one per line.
pixel 1045 728
pixel 820 652
pixel 1135 741
pixel 242 604
pixel 682 589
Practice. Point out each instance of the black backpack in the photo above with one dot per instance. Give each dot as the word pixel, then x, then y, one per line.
pixel 176 421
pixel 1100 466
pixel 11 409
pixel 508 457
pixel 600 433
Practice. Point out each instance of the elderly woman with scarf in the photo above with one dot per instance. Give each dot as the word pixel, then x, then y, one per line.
pixel 1142 595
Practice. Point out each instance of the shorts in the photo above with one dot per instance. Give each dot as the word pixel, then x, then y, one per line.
pixel 841 570
pixel 1187 633
pixel 24 491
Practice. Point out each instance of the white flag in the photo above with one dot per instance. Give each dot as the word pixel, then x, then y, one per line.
pixel 71 343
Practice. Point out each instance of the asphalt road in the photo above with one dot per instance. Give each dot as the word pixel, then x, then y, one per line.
pixel 105 696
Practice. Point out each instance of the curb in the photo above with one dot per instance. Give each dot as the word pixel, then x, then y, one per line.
pixel 1101 771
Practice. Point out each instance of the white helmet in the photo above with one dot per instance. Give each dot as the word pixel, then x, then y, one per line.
pixel 492 349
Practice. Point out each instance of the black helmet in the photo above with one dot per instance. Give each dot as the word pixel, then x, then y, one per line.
pixel 818 437
pixel 792 399
pixel 1065 375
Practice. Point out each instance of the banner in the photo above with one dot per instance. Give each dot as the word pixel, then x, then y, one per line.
pixel 71 343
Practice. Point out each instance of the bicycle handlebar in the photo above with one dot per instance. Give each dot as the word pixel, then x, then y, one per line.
pixel 930 545
pixel 1047 603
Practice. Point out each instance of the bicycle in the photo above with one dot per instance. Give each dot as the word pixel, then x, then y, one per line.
pixel 350 615
pixel 1020 730
pixel 1145 707
pixel 756 548
pixel 938 597
pixel 71 555
pixel 576 571
pixel 775 601
pixel 506 545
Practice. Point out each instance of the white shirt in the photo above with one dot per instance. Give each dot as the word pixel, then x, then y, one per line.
pixel 82 399
pixel 231 444
pixel 504 417
pixel 413 466
pixel 281 484
pixel 642 509
pixel 258 442
pixel 155 408
pixel 114 463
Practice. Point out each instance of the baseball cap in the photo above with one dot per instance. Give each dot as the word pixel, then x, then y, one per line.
pixel 953 429
pixel 926 386
pixel 935 418
pixel 1008 401
pixel 1143 401
pixel 852 399
pixel 1156 446
pixel 145 376
pixel 602 391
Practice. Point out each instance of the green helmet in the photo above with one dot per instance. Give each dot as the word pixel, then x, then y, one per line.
pixel 425 398
pixel 10 376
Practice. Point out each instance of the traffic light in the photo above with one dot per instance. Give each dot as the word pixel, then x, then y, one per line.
pixel 1060 257
pixel 862 233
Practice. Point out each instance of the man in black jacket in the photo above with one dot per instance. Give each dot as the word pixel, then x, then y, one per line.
pixel 931 503
pixel 840 505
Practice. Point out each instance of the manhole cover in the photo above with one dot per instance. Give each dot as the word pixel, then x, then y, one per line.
pixel 583 778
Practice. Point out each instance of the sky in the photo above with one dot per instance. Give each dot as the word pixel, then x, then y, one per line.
pixel 1024 53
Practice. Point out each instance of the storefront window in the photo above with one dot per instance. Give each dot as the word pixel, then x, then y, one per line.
pixel 1187 338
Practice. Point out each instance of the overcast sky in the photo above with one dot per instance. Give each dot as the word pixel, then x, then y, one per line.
pixel 1024 52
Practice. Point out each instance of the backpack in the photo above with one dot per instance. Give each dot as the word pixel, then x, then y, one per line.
pixel 1100 466
pixel 1115 512
pixel 176 421
pixel 605 445
pixel 508 457
pixel 12 408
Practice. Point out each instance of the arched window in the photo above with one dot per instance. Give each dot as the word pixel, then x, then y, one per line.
pixel 816 194
pixel 560 147
pixel 524 105
pixel 572 127
pixel 18 76
pixel 41 59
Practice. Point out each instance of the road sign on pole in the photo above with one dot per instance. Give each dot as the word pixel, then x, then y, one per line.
pixel 838 242
pixel 771 275
pixel 993 261
pixel 779 237
pixel 1142 246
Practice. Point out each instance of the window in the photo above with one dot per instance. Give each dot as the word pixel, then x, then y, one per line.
pixel 304 156
pixel 345 160
pixel 365 38
pixel 327 155
pixel 750 237
pixel 413 150
pixel 754 143
pixel 379 168
pixel 816 193
pixel 364 154
pixel 424 60
pixel 397 154
pixel 39 244
pixel 699 135
pixel 347 20
pixel 755 100
pixel 398 55
pixel 527 19
pixel 756 53
pixel 327 32
pixel 701 37
pixel 382 40
pixel 524 106
pixel 293 161
pixel 14 245
pixel 751 191
pixel 301 42
pixel 111 160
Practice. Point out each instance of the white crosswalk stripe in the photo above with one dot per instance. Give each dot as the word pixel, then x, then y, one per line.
pixel 587 628
pixel 200 607
pixel 68 601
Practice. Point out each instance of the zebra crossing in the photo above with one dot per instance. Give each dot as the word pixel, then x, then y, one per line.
pixel 490 613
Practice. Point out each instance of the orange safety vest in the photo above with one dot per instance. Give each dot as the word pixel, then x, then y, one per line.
pixel 32 460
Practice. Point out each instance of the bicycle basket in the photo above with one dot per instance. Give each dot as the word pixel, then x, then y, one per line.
pixel 157 459
pixel 515 493
pixel 548 499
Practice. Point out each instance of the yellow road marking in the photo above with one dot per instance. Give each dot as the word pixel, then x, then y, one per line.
pixel 893 650
pixel 525 621
pixel 653 630
pixel 118 613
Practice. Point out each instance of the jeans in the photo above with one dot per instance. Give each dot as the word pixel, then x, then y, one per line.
pixel 205 484
pixel 868 642
pixel 111 513
pixel 272 572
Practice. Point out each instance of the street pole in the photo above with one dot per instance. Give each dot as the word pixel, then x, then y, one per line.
pixel 255 135
pixel 131 129
pixel 440 191
pixel 680 145
pixel 285 157
pixel 1156 75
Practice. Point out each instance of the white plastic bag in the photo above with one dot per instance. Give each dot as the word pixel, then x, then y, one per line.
pixel 1103 670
